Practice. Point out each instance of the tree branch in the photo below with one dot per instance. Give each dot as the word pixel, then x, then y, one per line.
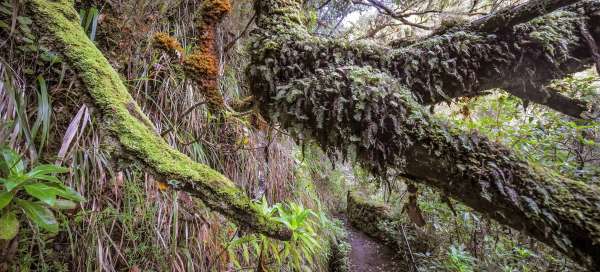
pixel 367 100
pixel 458 64
pixel 365 112
pixel 58 24
pixel 390 12
pixel 552 99
pixel 506 18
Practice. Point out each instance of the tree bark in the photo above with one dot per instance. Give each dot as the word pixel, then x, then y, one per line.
pixel 556 101
pixel 439 68
pixel 366 101
pixel 505 19
pixel 58 25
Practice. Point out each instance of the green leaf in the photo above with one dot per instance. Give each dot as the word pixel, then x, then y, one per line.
pixel 48 178
pixel 46 169
pixel 5 198
pixel 63 204
pixel 41 127
pixel 14 182
pixel 42 192
pixel 10 162
pixel 67 192
pixel 24 20
pixel 9 226
pixel 39 214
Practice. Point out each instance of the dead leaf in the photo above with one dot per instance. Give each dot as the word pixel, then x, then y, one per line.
pixel 162 186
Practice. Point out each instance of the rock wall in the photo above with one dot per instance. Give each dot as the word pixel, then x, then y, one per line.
pixel 372 218
pixel 376 220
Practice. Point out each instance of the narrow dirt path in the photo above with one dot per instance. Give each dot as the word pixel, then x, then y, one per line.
pixel 367 255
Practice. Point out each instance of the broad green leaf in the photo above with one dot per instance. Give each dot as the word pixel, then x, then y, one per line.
pixel 14 181
pixel 64 204
pixel 39 214
pixel 10 162
pixel 5 198
pixel 67 192
pixel 46 169
pixel 42 192
pixel 48 178
pixel 9 226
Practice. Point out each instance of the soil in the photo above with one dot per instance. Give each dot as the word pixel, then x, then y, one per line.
pixel 367 255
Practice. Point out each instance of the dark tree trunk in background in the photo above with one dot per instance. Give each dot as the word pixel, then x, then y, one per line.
pixel 368 101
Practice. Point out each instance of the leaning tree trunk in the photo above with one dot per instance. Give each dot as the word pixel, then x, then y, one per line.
pixel 460 63
pixel 58 25
pixel 368 101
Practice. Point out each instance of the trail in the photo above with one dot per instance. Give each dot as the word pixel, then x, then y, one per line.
pixel 367 255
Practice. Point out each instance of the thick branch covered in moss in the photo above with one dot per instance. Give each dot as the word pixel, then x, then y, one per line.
pixel 443 67
pixel 367 101
pixel 58 25
pixel 556 101
pixel 364 112
pixel 506 18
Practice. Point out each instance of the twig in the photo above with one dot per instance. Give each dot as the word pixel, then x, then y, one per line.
pixel 387 10
pixel 183 114
pixel 412 258
pixel 230 44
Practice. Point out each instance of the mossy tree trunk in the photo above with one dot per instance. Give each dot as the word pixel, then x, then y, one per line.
pixel 58 25
pixel 460 63
pixel 367 100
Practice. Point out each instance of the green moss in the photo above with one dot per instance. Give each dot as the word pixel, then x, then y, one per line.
pixel 60 23
pixel 555 32
pixel 365 76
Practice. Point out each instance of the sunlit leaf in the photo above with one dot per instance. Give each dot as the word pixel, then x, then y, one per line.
pixel 9 226
pixel 42 192
pixel 68 193
pixel 10 162
pixel 46 169
pixel 64 204
pixel 39 214
pixel 14 182
pixel 5 198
